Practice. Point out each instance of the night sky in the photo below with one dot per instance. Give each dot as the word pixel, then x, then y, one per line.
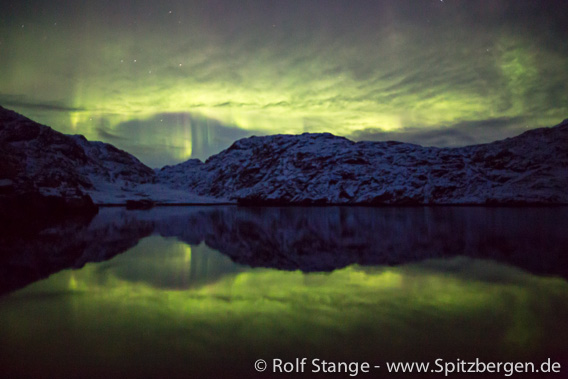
pixel 170 80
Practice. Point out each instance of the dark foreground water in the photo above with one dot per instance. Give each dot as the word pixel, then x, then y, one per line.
pixel 196 292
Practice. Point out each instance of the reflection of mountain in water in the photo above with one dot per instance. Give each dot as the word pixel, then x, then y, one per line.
pixel 26 258
pixel 171 264
pixel 321 239
pixel 307 239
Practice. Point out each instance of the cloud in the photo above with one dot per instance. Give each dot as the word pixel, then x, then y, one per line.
pixel 20 101
pixel 460 134
pixel 218 71
pixel 108 136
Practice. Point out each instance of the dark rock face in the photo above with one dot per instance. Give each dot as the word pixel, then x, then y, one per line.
pixel 32 209
pixel 37 159
pixel 325 169
pixel 29 211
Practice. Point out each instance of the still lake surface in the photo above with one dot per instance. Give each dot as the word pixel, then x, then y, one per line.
pixel 206 291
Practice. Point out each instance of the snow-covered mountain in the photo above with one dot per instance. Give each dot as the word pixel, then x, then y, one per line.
pixel 38 159
pixel 325 169
pixel 290 169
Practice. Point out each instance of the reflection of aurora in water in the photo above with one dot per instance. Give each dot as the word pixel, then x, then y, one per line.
pixel 308 239
pixel 168 307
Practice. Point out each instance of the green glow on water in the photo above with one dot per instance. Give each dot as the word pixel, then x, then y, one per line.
pixel 151 305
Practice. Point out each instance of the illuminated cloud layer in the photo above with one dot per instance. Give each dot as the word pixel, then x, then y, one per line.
pixel 127 72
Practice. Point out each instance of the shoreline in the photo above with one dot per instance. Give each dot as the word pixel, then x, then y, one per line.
pixel 360 205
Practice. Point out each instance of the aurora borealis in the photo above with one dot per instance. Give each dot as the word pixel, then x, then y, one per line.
pixel 171 80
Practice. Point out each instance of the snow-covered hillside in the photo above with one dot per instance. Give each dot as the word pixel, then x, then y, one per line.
pixel 324 169
pixel 290 169
pixel 36 158
pixel 39 158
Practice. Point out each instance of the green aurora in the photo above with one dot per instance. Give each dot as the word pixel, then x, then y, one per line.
pixel 171 80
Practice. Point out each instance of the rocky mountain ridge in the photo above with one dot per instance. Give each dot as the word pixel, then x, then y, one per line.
pixel 289 169
pixel 39 160
pixel 325 169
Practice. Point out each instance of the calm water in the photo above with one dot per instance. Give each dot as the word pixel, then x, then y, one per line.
pixel 205 292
